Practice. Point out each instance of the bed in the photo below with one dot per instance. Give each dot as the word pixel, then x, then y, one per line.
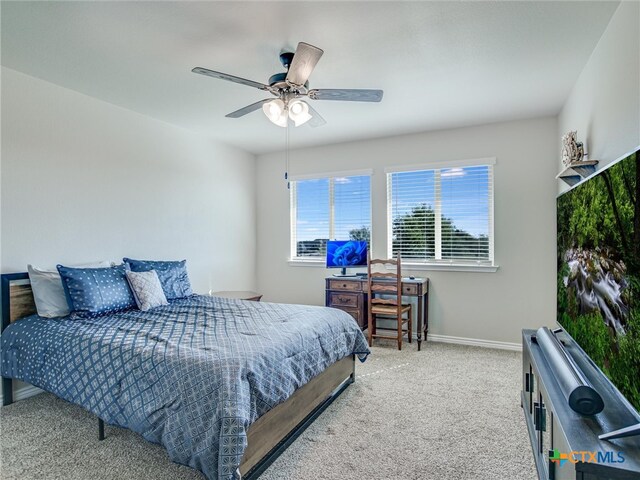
pixel 224 385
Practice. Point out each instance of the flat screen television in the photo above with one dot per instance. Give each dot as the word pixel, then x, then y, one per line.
pixel 346 253
pixel 598 275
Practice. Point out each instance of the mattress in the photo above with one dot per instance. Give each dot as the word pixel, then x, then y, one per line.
pixel 192 375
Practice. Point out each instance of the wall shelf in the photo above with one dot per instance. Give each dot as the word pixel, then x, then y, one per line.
pixel 577 171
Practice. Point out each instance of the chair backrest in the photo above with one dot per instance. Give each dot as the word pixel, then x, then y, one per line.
pixel 386 283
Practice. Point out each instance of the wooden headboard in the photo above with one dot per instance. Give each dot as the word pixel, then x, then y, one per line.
pixel 17 297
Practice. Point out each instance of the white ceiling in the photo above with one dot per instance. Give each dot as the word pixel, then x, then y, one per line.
pixel 440 64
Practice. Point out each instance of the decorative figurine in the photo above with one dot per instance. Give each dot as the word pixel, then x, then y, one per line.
pixel 572 150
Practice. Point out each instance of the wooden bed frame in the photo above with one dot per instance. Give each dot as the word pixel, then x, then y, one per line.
pixel 267 438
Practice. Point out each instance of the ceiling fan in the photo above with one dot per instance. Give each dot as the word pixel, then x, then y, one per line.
pixel 291 87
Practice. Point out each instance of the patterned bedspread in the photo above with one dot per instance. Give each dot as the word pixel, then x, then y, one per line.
pixel 191 376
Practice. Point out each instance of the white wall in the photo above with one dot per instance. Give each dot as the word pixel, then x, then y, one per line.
pixel 84 180
pixel 604 105
pixel 488 306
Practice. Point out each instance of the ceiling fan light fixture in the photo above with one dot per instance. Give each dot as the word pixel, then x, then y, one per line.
pixel 276 112
pixel 299 112
pixel 289 86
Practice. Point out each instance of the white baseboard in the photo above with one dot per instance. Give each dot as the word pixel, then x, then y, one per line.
pixel 516 347
pixel 24 392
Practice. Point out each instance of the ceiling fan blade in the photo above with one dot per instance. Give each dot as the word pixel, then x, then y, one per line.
pixel 230 78
pixel 316 118
pixel 303 63
pixel 348 95
pixel 248 109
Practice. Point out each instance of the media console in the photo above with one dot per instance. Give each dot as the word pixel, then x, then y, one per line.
pixel 565 443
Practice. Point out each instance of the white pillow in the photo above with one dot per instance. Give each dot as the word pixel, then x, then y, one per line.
pixel 48 292
pixel 147 289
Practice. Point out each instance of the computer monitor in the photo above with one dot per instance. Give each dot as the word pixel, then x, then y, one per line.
pixel 346 253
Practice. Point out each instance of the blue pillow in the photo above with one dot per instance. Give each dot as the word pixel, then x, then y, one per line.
pixel 96 291
pixel 173 275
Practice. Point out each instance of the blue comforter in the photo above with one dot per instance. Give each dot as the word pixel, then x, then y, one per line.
pixel 192 376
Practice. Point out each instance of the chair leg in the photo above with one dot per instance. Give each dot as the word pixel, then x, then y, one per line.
pixel 370 328
pixel 399 332
pixel 410 325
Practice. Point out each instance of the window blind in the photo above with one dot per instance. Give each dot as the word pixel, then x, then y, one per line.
pixel 330 208
pixel 443 215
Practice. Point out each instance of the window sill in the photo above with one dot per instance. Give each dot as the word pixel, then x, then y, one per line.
pixel 296 262
pixel 450 267
pixel 444 267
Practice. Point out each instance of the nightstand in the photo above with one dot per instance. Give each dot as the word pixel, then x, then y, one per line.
pixel 238 295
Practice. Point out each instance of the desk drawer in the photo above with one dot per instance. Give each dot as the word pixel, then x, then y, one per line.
pixel 410 289
pixel 350 285
pixel 355 313
pixel 343 300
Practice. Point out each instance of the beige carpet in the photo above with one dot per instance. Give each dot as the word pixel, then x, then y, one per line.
pixel 447 412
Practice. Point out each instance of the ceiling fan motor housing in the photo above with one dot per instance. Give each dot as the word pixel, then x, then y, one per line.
pixel 278 78
pixel 279 81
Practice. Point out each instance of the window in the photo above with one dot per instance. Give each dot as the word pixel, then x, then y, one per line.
pixel 442 215
pixel 330 208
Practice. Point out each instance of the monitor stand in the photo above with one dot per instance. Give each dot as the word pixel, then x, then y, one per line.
pixel 343 273
pixel 630 431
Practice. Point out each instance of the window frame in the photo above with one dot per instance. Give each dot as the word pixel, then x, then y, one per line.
pixel 440 263
pixel 293 209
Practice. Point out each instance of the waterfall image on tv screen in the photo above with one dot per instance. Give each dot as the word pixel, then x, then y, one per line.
pixel 599 271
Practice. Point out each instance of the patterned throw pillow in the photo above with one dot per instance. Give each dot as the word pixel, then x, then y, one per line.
pixel 96 291
pixel 147 289
pixel 173 275
pixel 48 291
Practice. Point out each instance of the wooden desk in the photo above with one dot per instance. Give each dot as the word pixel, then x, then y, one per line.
pixel 350 294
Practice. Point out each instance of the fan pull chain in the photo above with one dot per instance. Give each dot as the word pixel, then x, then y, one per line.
pixel 286 156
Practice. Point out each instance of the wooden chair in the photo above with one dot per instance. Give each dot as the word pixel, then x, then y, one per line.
pixel 388 284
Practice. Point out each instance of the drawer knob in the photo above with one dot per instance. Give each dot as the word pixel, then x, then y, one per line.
pixel 344 285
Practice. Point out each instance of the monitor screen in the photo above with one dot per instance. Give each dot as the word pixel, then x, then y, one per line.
pixel 346 253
